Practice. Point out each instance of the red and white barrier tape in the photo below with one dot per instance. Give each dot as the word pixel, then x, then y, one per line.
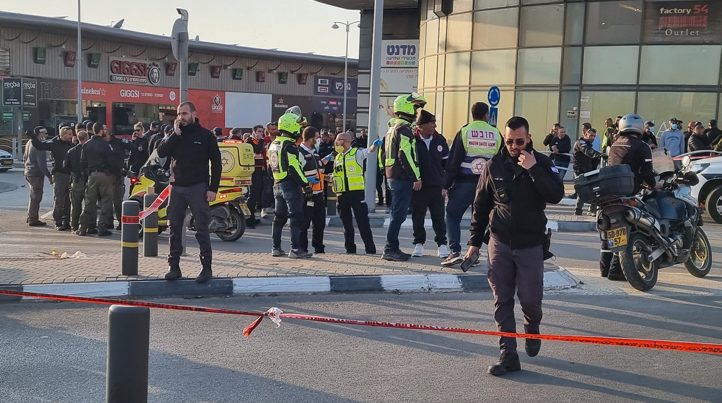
pixel 276 315
pixel 156 203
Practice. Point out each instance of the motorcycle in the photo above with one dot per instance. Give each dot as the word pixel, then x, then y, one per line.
pixel 228 211
pixel 652 230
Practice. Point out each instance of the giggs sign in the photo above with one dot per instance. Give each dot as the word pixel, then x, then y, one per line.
pixel 134 72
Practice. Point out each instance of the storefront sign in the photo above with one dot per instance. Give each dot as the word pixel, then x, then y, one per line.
pixel 683 22
pixel 398 81
pixel 134 71
pixel 30 92
pixel 334 86
pixel 12 91
pixel 282 102
pixel 400 53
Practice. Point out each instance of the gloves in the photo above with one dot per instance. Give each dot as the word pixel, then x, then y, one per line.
pixel 313 180
pixel 378 142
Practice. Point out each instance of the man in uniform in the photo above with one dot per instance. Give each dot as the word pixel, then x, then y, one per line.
pixel 78 177
pixel 257 178
pixel 36 170
pixel 191 149
pixel 289 182
pixel 98 160
pixel 516 185
pixel 120 148
pixel 402 170
pixel 586 159
pixel 315 205
pixel 58 148
pixel 473 145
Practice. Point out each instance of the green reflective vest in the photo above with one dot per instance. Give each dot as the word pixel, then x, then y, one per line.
pixel 348 174
pixel 481 142
pixel 276 162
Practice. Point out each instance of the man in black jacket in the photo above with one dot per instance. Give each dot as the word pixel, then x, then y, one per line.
pixel 513 191
pixel 58 148
pixel 586 159
pixel 698 141
pixel 78 177
pixel 432 152
pixel 560 146
pixel 191 148
pixel 713 133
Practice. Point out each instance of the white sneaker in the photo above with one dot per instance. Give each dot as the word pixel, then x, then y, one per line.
pixel 418 250
pixel 443 251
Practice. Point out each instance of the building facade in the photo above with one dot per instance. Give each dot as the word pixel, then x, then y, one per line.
pixel 130 77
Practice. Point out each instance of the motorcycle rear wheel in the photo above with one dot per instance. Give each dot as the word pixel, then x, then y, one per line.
pixel 640 273
pixel 700 255
pixel 238 226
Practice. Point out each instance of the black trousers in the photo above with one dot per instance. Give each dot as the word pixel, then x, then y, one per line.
pixel 354 201
pixel 428 198
pixel 315 214
pixel 255 192
pixel 382 187
pixel 609 262
pixel 193 197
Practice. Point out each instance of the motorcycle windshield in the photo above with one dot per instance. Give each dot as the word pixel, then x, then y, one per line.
pixel 662 162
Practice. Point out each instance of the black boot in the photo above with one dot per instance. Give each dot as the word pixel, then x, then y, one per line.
pixel 206 273
pixel 532 346
pixel 508 362
pixel 616 275
pixel 174 272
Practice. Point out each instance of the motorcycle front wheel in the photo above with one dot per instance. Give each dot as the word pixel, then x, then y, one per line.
pixel 236 228
pixel 639 271
pixel 700 255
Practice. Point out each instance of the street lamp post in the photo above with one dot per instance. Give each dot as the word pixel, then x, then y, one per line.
pixel 345 65
pixel 79 71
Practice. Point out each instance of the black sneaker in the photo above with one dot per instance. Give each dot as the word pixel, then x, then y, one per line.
pixel 508 362
pixel 81 232
pixel 532 346
pixel 92 231
pixel 395 256
pixel 454 258
pixel 371 251
pixel 174 272
pixel 104 232
pixel 351 251
pixel 616 276
pixel 204 276
pixel 278 253
pixel 37 223
pixel 319 250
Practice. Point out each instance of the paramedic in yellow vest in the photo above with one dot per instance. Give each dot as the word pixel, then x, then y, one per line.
pixel 473 145
pixel 348 184
pixel 289 182
pixel 402 170
pixel 314 201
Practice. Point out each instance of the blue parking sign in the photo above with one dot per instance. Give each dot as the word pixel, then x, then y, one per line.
pixel 494 96
pixel 493 115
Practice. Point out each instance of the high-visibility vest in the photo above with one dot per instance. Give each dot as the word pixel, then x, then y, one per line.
pixel 348 174
pixel 407 146
pixel 481 142
pixel 279 171
pixel 311 169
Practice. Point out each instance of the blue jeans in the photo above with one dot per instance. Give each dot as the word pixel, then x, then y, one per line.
pixel 289 205
pixel 461 196
pixel 401 191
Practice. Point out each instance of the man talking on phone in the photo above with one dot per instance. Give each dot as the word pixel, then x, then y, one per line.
pixel 511 195
pixel 191 148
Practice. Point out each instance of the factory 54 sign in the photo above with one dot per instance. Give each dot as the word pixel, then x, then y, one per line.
pixel 134 71
pixel 683 22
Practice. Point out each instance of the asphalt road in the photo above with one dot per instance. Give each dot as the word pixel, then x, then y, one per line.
pixel 56 351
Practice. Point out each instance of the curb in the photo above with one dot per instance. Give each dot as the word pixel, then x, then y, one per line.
pixel 554 225
pixel 418 283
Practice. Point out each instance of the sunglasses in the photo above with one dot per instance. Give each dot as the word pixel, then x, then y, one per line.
pixel 519 142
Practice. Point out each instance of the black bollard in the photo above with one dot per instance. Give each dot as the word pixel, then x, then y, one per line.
pixel 150 228
pixel 129 238
pixel 127 361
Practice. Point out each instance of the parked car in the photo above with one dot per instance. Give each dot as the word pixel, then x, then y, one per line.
pixel 6 161
pixel 708 191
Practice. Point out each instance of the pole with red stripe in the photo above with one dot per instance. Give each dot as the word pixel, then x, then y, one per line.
pixel 129 225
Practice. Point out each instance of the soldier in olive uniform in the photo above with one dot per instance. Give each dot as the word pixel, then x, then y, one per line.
pixel 98 160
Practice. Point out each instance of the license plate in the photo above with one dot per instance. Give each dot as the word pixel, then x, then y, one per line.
pixel 617 237
pixel 246 210
pixel 7 162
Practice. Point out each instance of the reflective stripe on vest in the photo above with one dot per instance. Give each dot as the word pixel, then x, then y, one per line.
pixel 311 169
pixel 274 158
pixel 481 142
pixel 348 174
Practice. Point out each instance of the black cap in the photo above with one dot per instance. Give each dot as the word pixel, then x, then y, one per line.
pixel 154 123
pixel 424 117
pixel 649 123
pixel 699 124
pixel 217 131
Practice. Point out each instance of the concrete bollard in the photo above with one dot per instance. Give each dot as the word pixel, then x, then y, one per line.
pixel 129 238
pixel 150 228
pixel 126 368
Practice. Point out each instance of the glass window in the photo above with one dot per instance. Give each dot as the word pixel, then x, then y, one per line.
pixel 126 115
pixel 680 64
pixel 541 25
pixel 596 106
pixel 506 105
pixel 614 22
pixel 486 4
pixel 432 36
pixel 457 68
pixel 569 113
pixel 661 106
pixel 539 66
pixel 541 109
pixel 572 67
pixel 430 72
pixel 456 111
pixel 493 67
pixel 440 71
pixel 539 1
pixel 574 33
pixel 463 5
pixel 610 64
pixel 495 29
pixel 458 32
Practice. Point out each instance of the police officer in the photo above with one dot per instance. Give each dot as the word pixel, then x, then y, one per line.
pixel 586 159
pixel 628 149
pixel 402 170
pixel 99 161
pixel 191 148
pixel 58 147
pixel 255 191
pixel 473 145
pixel 315 205
pixel 289 182
pixel 349 184
pixel 155 134
pixel 78 177
pixel 516 184
pixel 120 148
pixel 138 150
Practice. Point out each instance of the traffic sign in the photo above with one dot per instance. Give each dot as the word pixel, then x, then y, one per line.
pixel 493 115
pixel 494 96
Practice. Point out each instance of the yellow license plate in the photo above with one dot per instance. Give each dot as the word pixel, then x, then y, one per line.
pixel 617 237
pixel 246 210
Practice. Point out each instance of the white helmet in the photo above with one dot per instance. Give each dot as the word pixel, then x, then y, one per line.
pixel 631 123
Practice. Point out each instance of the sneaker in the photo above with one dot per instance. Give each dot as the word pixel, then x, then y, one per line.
pixel 278 253
pixel 508 362
pixel 104 232
pixel 443 251
pixel 174 272
pixel 204 276
pixel 395 256
pixel 92 231
pixel 418 250
pixel 37 224
pixel 299 254
pixel 454 258
pixel 81 232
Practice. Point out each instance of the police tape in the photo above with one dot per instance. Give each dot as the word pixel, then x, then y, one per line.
pixel 156 203
pixel 276 315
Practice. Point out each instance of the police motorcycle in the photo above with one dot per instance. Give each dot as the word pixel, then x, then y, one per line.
pixel 228 211
pixel 650 230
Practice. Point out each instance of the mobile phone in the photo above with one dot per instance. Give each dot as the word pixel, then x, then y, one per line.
pixel 469 262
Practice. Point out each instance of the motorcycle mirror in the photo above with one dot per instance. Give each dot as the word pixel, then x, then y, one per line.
pixel 690 178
